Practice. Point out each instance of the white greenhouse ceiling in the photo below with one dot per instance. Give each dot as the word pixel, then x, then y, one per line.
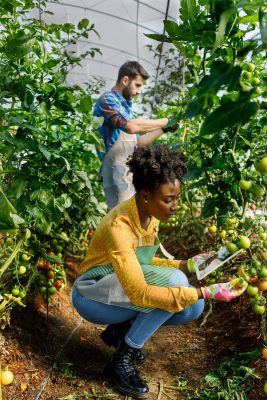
pixel 121 25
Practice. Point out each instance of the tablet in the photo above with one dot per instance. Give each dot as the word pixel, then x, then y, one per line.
pixel 214 262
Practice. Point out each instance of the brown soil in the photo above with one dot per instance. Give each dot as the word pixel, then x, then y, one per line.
pixel 29 347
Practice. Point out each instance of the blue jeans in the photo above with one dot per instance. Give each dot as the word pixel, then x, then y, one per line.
pixel 144 324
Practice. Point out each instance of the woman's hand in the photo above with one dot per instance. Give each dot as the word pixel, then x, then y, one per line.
pixel 194 262
pixel 222 291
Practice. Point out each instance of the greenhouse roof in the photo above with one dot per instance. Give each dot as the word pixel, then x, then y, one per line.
pixel 121 25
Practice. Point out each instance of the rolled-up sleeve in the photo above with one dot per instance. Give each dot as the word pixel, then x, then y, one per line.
pixel 120 247
pixel 113 112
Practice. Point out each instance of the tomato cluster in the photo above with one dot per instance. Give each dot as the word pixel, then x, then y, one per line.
pixel 51 278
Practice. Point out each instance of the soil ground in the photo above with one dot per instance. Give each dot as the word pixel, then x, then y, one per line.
pixel 173 355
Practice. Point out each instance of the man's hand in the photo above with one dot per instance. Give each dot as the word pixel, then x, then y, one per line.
pixel 172 125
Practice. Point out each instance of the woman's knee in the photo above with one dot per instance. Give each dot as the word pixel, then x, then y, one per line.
pixel 178 278
pixel 197 309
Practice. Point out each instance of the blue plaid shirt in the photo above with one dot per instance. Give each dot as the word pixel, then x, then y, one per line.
pixel 117 111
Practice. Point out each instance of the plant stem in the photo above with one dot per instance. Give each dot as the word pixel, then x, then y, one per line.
pixel 12 256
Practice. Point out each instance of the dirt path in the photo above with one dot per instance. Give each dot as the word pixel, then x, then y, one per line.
pixel 175 356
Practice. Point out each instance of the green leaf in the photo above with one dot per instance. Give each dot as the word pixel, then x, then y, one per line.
pixel 158 37
pixel 224 18
pixel 248 19
pixel 45 152
pixel 85 104
pixel 83 24
pixel 228 115
pixel 17 220
pixel 263 25
pixel 19 186
pixel 188 10
pixel 172 28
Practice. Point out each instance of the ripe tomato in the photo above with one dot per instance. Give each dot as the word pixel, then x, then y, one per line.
pixel 41 264
pixel 264 353
pixel 244 242
pixel 253 279
pixel 58 284
pixel 51 252
pixel 7 377
pixel 262 285
pixel 50 274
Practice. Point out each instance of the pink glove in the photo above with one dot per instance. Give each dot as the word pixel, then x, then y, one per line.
pixel 222 291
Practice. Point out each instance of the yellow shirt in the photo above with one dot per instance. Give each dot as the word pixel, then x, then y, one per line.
pixel 115 241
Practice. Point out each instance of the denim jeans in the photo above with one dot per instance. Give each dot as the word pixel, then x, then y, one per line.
pixel 144 325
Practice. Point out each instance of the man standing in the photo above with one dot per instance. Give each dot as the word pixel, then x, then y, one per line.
pixel 121 132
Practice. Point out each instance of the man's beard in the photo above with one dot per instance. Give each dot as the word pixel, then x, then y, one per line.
pixel 127 93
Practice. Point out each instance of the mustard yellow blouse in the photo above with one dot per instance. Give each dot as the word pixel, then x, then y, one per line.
pixel 115 241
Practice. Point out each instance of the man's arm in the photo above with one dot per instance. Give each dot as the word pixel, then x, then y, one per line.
pixel 149 137
pixel 143 126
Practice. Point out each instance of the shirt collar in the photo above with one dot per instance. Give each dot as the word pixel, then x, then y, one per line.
pixel 121 98
pixel 136 220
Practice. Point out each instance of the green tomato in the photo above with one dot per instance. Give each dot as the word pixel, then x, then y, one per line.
pixel 265 388
pixel 250 67
pixel 244 242
pixel 54 241
pixel 263 272
pixel 27 233
pixel 259 309
pixel 252 290
pixel 42 289
pixel 58 248
pixel 222 234
pixel 247 75
pixel 15 292
pixel 212 229
pixel 255 81
pixel 261 165
pixel 256 263
pixel 52 290
pixel 22 294
pixel 264 243
pixel 263 235
pixel 245 185
pixel 258 190
pixel 231 248
pixel 253 271
pixel 22 270
pixel 25 257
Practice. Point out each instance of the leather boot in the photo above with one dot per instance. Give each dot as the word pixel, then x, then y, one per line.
pixel 122 372
pixel 114 334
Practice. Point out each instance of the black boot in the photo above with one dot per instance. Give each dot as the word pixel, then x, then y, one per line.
pixel 114 334
pixel 122 372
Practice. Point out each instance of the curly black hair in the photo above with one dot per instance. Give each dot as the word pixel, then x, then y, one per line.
pixel 155 165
